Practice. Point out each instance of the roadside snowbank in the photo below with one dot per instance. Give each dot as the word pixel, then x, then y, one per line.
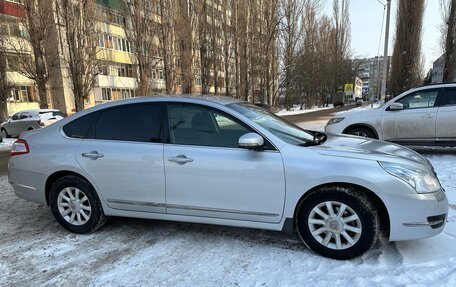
pixel 296 110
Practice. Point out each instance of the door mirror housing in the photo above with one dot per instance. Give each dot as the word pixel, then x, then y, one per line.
pixel 251 141
pixel 396 106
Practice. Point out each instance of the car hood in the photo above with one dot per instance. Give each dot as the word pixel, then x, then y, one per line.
pixel 368 149
pixel 356 113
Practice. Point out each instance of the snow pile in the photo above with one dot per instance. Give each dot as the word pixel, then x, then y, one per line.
pixel 296 110
pixel 6 144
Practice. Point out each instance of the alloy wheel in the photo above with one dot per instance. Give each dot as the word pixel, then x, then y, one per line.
pixel 335 225
pixel 74 206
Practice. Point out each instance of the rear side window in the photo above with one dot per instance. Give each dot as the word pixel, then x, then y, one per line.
pixel 79 128
pixel 447 97
pixel 135 122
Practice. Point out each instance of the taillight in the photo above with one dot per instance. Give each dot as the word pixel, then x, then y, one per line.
pixel 19 147
pixel 41 123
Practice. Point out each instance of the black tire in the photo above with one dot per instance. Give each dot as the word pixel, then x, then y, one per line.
pixel 97 217
pixel 5 133
pixel 361 132
pixel 355 200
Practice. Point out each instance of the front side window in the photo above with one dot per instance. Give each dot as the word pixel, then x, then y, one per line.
pixel 279 127
pixel 419 100
pixel 197 125
pixel 15 117
pixel 135 122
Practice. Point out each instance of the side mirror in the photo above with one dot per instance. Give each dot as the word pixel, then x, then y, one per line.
pixel 396 106
pixel 251 141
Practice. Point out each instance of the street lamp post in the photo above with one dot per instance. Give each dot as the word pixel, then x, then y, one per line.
pixel 385 54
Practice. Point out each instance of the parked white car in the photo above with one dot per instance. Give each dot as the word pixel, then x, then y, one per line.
pixel 29 120
pixel 420 116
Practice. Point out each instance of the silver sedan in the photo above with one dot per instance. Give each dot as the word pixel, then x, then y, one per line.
pixel 223 161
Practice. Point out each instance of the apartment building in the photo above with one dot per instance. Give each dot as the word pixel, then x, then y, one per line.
pixel 22 90
pixel 370 71
pixel 117 66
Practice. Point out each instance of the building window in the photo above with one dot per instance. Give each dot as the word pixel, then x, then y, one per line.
pixel 19 95
pixel 160 73
pixel 154 74
pixel 106 94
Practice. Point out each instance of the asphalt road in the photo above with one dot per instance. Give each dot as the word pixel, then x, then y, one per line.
pixel 317 115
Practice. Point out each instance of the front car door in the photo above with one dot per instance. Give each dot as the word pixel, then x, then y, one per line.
pixel 446 116
pixel 124 157
pixel 208 175
pixel 415 123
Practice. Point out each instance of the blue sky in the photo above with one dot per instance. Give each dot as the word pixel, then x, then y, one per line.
pixel 366 20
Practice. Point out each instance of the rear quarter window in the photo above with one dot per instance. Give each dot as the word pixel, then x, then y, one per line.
pixel 80 127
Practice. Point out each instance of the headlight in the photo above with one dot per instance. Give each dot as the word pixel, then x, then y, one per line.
pixel 334 121
pixel 422 181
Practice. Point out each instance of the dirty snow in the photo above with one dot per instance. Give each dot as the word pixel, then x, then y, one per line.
pixel 35 250
pixel 296 110
pixel 6 144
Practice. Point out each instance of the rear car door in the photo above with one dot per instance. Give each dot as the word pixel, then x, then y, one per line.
pixel 208 175
pixel 415 122
pixel 123 155
pixel 446 116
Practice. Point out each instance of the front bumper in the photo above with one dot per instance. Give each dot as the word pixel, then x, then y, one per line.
pixel 417 216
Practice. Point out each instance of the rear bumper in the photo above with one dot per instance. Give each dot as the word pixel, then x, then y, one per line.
pixel 417 216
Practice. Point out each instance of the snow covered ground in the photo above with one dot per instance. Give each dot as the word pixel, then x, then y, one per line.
pixel 296 110
pixel 35 250
pixel 6 144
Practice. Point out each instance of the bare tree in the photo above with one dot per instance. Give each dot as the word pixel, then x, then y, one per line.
pixel 167 36
pixel 35 60
pixel 80 37
pixel 5 86
pixel 141 28
pixel 406 62
pixel 449 72
pixel 290 40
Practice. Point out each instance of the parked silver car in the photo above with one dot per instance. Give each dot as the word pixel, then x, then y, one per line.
pixel 29 120
pixel 421 116
pixel 223 161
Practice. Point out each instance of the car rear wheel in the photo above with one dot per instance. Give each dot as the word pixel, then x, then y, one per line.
pixel 361 132
pixel 75 205
pixel 5 134
pixel 338 222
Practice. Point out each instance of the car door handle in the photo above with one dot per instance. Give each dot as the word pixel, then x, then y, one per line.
pixel 92 155
pixel 426 116
pixel 180 159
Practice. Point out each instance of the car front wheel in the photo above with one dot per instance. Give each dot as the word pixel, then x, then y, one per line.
pixel 338 222
pixel 5 134
pixel 362 132
pixel 75 205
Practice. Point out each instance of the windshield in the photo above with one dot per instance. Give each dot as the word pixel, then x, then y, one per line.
pixel 282 129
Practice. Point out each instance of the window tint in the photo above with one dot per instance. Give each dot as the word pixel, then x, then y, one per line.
pixel 79 128
pixel 418 100
pixel 195 125
pixel 139 122
pixel 15 116
pixel 447 97
pixel 24 116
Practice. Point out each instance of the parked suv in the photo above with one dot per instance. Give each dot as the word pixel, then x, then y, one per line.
pixel 29 120
pixel 223 161
pixel 420 116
